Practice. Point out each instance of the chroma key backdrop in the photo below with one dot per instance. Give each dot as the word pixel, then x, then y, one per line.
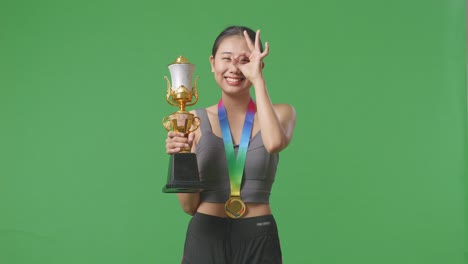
pixel 375 173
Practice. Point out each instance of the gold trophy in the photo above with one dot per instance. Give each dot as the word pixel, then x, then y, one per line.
pixel 183 174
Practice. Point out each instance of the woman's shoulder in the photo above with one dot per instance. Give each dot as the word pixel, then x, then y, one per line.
pixel 285 110
pixel 210 110
pixel 283 106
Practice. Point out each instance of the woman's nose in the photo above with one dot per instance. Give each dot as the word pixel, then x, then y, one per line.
pixel 233 66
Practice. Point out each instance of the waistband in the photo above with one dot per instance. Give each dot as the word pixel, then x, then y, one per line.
pixel 243 228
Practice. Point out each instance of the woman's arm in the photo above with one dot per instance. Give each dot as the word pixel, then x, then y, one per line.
pixel 189 202
pixel 277 122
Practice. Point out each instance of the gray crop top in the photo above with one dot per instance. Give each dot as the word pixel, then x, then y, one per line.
pixel 259 171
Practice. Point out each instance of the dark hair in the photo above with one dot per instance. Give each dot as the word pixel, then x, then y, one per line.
pixel 234 31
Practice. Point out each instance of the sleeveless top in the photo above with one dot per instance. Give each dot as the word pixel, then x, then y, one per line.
pixel 259 171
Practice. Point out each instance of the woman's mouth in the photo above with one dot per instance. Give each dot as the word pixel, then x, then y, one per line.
pixel 233 80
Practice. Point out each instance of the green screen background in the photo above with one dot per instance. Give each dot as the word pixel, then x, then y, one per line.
pixel 375 172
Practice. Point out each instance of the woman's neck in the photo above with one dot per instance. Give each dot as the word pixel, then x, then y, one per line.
pixel 237 103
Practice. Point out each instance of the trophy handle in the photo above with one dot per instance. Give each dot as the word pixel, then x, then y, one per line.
pixel 195 124
pixel 166 123
pixel 194 92
pixel 169 92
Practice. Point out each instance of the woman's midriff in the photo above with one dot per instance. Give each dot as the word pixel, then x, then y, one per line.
pixel 217 209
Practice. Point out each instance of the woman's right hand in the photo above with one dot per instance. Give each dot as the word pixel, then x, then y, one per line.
pixel 176 141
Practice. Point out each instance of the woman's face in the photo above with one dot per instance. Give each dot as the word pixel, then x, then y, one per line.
pixel 231 51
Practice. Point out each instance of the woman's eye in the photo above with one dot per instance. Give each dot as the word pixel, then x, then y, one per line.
pixel 244 59
pixel 226 59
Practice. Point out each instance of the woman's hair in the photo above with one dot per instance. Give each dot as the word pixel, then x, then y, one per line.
pixel 234 31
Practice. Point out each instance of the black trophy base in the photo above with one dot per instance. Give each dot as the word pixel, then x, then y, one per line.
pixel 183 174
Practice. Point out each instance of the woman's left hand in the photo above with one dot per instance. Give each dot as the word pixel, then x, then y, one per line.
pixel 252 69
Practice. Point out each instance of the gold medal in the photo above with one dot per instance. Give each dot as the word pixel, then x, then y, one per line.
pixel 234 207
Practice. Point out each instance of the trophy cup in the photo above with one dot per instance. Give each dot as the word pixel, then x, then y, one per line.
pixel 183 174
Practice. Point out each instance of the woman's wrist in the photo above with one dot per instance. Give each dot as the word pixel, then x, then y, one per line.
pixel 259 82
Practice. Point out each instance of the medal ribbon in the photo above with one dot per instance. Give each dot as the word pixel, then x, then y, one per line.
pixel 236 164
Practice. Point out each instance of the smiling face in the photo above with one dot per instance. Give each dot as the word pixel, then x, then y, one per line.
pixel 231 51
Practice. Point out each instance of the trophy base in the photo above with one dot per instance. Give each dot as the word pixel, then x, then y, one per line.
pixel 183 174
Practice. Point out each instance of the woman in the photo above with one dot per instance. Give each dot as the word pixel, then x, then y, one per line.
pixel 237 149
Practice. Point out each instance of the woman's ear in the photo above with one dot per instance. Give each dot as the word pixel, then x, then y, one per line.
pixel 212 63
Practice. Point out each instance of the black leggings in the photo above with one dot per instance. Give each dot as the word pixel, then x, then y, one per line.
pixel 216 240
